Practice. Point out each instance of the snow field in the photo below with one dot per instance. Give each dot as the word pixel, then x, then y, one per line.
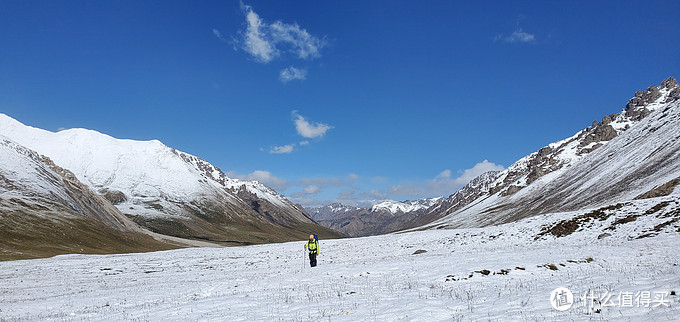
pixel 370 278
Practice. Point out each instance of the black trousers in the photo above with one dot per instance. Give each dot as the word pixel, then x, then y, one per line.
pixel 312 259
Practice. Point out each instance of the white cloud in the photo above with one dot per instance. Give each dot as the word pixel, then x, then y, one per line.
pixel 303 44
pixel 517 36
pixel 305 201
pixel 305 129
pixel 284 149
pixel 406 190
pixel 443 184
pixel 265 41
pixel 291 73
pixel 218 34
pixel 379 180
pixel 350 190
pixel 479 168
pixel 264 177
pixel 444 174
pixel 375 194
pixel 326 182
pixel 347 193
pixel 309 130
pixel 256 41
pixel 310 190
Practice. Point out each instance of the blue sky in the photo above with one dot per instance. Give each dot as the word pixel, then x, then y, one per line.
pixel 335 100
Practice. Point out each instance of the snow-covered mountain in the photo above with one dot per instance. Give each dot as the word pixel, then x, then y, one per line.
pixel 45 210
pixel 395 207
pixel 384 217
pixel 166 190
pixel 626 155
pixel 330 211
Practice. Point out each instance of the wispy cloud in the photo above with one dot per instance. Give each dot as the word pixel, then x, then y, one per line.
pixel 284 149
pixel 325 182
pixel 375 194
pixel 218 34
pixel 304 128
pixel 517 36
pixel 301 42
pixel 256 41
pixel 291 73
pixel 266 41
pixel 352 189
pixel 442 184
pixel 310 130
pixel 520 36
pixel 312 189
pixel 303 190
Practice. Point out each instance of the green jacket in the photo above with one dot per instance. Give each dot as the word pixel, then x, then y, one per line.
pixel 312 246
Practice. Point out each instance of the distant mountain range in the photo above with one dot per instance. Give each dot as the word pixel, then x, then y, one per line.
pixel 627 155
pixel 127 186
pixel 383 217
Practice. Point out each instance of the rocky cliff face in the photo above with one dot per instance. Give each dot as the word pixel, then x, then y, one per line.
pixel 553 178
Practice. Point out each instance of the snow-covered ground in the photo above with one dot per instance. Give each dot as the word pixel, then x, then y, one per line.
pixel 496 273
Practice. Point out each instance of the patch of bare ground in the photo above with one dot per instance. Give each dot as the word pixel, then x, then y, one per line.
pixel 660 191
pixel 568 227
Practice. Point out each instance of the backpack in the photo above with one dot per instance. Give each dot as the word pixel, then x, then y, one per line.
pixel 316 237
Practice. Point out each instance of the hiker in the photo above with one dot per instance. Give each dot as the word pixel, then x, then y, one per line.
pixel 313 246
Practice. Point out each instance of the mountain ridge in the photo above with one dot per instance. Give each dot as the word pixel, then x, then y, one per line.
pixel 168 191
pixel 45 210
pixel 544 164
pixel 383 217
pixel 644 114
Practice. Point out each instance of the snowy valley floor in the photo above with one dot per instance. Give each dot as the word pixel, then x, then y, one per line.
pixel 498 274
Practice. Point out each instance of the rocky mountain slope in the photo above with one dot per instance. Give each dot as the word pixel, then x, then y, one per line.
pixel 384 217
pixel 634 153
pixel 45 210
pixel 168 191
pixel 331 211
